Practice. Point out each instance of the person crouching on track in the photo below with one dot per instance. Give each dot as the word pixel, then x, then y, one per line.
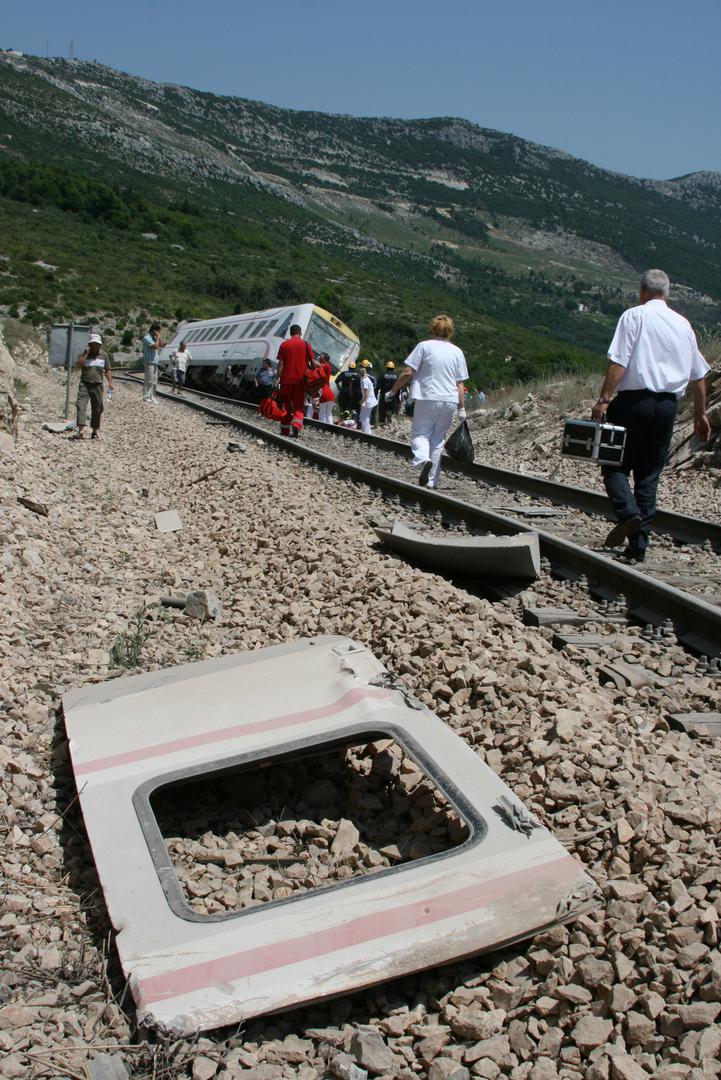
pixel 368 402
pixel 295 357
pixel 438 372
pixel 327 398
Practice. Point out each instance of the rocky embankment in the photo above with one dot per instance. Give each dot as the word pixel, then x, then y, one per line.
pixel 526 435
pixel 632 990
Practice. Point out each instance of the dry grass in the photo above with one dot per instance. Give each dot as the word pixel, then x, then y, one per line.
pixel 563 393
pixel 16 333
pixel 711 348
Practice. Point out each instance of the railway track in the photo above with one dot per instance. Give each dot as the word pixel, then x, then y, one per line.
pixel 470 500
pixel 680 527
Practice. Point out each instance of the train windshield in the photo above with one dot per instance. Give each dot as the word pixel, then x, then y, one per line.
pixel 324 337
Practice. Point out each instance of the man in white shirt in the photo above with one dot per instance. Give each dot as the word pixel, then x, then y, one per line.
pixel 652 359
pixel 152 344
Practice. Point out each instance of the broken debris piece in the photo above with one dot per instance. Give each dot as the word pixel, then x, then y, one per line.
pixel 566 617
pixel 623 675
pixel 207 475
pixel 477 556
pixel 698 723
pixel 178 601
pixel 142 735
pixel 582 641
pixel 58 427
pixel 36 507
pixel 108 1067
pixel 168 521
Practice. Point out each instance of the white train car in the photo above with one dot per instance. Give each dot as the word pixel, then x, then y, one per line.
pixel 228 351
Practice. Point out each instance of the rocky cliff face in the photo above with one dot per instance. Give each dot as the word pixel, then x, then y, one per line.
pixel 8 404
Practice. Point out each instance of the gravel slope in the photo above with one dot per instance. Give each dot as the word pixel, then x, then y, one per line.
pixel 632 990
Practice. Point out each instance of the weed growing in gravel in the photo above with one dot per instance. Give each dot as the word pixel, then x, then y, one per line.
pixel 127 648
pixel 195 651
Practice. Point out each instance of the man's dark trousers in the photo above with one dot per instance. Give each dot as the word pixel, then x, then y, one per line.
pixel 648 418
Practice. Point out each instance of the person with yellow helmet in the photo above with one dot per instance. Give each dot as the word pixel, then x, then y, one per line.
pixel 385 408
pixel 344 384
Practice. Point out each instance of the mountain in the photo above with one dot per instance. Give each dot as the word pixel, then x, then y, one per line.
pixel 387 218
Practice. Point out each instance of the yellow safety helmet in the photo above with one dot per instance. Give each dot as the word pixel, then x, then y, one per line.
pixel 351 366
pixel 390 366
pixel 365 363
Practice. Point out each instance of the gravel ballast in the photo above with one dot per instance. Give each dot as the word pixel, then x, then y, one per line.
pixel 631 990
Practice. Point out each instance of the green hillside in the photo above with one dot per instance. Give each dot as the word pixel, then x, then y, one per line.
pixel 73 248
pixel 123 199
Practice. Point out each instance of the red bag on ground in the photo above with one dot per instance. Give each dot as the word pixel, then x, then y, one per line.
pixel 271 410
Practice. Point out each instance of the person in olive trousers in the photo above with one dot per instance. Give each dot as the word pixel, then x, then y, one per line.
pixel 93 367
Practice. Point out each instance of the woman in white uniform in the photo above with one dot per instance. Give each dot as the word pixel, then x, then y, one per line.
pixel 436 370
pixel 368 402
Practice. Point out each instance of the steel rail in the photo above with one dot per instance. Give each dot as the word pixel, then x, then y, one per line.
pixel 682 527
pixel 697 623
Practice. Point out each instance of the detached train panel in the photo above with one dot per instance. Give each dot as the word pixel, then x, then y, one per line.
pixel 228 352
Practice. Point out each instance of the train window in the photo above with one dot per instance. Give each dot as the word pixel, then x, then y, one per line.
pixel 228 331
pixel 324 337
pixel 285 326
pixel 246 329
pixel 215 333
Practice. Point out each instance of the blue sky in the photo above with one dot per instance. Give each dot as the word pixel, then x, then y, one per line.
pixel 630 87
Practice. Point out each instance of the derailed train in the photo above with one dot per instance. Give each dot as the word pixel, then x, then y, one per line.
pixel 228 352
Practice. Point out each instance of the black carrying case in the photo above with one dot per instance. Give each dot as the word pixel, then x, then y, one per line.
pixel 593 440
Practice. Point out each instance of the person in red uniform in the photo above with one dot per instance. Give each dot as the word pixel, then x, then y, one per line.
pixel 327 397
pixel 295 356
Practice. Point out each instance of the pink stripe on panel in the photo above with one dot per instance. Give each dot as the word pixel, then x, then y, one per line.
pixel 243 965
pixel 203 738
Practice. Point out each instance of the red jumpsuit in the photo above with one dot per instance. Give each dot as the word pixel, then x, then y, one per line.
pixel 326 393
pixel 296 356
